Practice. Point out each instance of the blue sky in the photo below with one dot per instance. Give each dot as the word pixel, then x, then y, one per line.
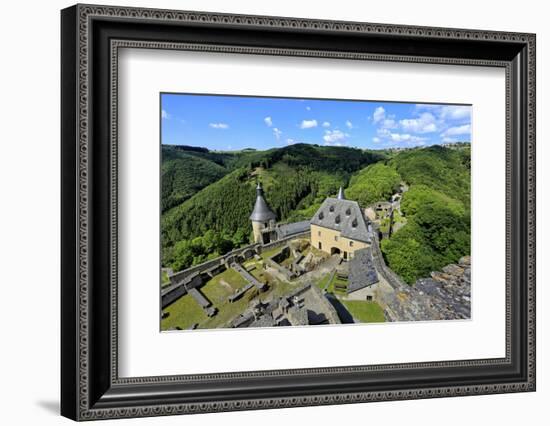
pixel 227 123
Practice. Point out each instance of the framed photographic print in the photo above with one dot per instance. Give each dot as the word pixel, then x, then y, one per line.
pixel 264 212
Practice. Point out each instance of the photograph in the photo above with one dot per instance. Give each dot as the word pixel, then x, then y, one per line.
pixel 279 211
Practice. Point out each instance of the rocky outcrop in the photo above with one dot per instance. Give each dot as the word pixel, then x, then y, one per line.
pixel 445 295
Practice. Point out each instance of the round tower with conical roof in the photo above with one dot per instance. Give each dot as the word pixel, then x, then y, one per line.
pixel 262 217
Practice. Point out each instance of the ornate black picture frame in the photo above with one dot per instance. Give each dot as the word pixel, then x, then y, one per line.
pixel 91 36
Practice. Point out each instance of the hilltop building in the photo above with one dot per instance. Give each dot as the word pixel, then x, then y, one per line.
pixel 339 227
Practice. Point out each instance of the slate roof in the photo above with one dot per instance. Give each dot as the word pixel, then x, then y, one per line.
pixel 288 229
pixel 344 216
pixel 261 212
pixel 362 272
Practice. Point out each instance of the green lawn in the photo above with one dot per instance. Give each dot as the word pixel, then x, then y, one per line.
pixel 364 311
pixel 268 253
pixel 231 277
pixel 183 313
pixel 323 281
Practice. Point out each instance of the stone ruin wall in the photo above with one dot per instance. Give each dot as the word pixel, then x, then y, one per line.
pixel 177 289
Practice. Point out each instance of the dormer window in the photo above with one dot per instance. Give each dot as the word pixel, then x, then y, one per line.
pixel 331 209
pixel 348 211
pixel 321 216
pixel 354 223
pixel 337 219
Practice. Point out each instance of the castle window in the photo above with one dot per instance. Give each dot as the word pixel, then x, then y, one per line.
pixel 318 233
pixel 337 219
pixel 354 223
pixel 336 238
pixel 351 243
pixel 321 216
pixel 320 246
pixel 331 209
pixel 348 211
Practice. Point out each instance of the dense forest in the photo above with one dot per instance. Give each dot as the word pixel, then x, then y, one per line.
pixel 437 208
pixel 207 198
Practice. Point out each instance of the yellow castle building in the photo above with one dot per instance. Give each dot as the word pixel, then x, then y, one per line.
pixel 339 227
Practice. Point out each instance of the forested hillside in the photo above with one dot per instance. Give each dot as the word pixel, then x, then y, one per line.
pixel 437 207
pixel 215 220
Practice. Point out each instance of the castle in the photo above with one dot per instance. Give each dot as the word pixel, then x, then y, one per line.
pixel 338 226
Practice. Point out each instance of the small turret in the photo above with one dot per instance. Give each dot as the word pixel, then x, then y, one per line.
pixel 341 195
pixel 262 216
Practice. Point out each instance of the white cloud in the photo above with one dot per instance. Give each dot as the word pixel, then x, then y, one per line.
pixel 308 124
pixel 164 114
pixel 376 139
pixel 219 125
pixel 335 137
pixel 349 124
pixel 447 112
pixel 448 140
pixel 277 133
pixel 388 123
pixel 465 129
pixel 308 108
pixel 379 114
pixel 326 124
pixel 405 137
pixel 455 112
pixel 426 123
pixel 268 121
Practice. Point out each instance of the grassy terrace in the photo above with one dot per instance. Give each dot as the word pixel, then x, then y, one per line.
pixel 323 281
pixel 364 311
pixel 185 311
pixel 268 253
pixel 334 285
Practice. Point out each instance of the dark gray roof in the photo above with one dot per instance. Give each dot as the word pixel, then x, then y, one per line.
pixel 288 229
pixel 344 216
pixel 361 270
pixel 261 211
